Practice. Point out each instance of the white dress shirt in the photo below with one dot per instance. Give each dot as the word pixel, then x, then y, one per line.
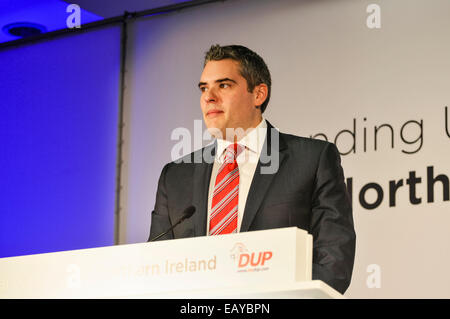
pixel 247 161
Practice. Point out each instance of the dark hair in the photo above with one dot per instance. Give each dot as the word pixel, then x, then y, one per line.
pixel 252 66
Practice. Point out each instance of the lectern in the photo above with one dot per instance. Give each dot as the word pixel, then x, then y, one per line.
pixel 273 263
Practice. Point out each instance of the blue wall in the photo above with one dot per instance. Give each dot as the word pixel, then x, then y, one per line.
pixel 58 129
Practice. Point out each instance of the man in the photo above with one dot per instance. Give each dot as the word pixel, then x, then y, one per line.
pixel 258 178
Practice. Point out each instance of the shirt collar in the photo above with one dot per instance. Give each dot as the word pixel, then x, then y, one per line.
pixel 252 141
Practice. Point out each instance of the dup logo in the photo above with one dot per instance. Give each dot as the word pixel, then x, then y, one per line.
pixel 246 260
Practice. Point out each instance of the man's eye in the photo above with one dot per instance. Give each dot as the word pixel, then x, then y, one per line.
pixel 203 89
pixel 224 85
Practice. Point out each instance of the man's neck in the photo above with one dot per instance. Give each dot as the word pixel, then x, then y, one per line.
pixel 234 135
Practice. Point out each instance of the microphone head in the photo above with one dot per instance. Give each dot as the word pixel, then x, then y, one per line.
pixel 188 212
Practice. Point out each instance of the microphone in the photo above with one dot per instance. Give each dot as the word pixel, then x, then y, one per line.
pixel 188 212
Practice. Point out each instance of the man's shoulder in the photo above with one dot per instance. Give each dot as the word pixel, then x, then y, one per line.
pixel 295 141
pixel 204 155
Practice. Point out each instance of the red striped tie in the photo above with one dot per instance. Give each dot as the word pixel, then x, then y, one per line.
pixel 224 206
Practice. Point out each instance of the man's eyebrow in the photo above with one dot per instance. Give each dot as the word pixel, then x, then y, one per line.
pixel 224 80
pixel 200 84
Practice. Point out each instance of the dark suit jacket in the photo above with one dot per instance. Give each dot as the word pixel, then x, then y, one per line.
pixel 307 191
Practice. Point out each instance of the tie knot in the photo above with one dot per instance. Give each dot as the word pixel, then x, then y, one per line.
pixel 233 151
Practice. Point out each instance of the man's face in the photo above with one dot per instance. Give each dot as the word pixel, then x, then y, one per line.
pixel 225 100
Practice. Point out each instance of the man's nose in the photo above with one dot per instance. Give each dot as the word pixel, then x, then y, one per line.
pixel 211 96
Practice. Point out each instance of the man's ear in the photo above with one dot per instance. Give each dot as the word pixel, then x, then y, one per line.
pixel 260 93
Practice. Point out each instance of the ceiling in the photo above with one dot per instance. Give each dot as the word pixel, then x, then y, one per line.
pixel 52 14
pixel 108 8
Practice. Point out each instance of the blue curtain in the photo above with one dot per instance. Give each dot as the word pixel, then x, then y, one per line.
pixel 59 106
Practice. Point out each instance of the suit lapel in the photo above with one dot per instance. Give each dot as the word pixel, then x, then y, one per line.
pixel 202 176
pixel 274 145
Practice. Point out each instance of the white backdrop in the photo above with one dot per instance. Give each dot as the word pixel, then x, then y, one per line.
pixel 333 75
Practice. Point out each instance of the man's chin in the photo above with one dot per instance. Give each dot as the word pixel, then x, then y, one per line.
pixel 216 132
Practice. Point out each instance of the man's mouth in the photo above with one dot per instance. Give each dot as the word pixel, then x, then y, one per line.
pixel 213 113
